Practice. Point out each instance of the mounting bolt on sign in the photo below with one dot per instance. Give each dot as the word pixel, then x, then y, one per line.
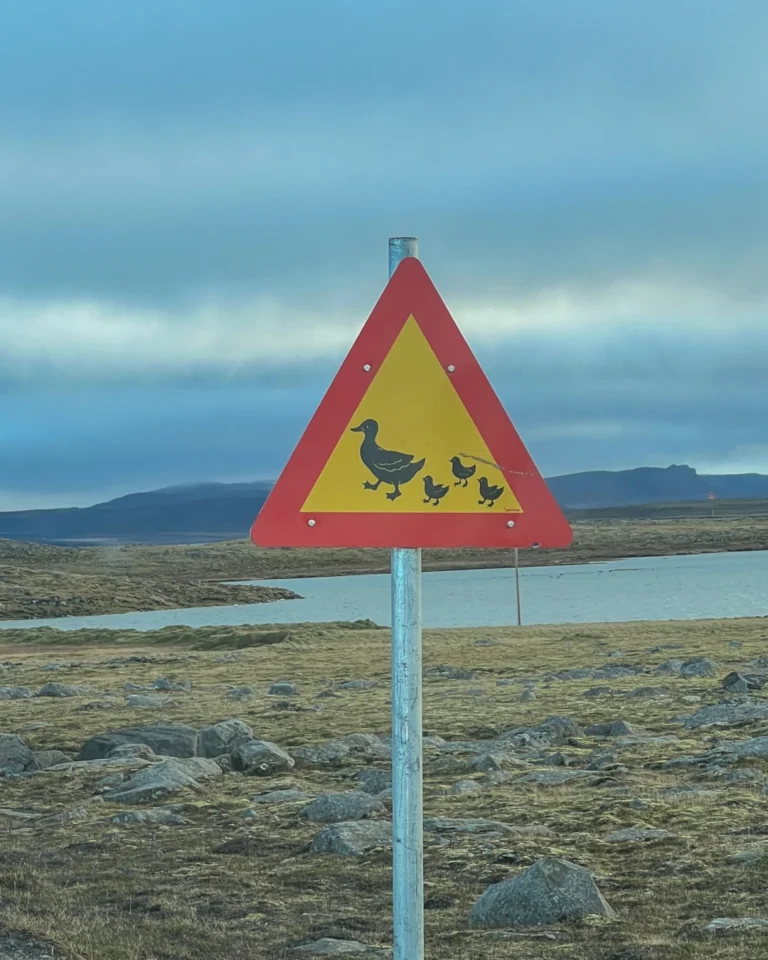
pixel 410 448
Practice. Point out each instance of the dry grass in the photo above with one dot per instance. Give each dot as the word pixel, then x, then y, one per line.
pixel 142 892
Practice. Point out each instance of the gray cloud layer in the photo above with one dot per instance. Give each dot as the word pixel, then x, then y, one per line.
pixel 196 200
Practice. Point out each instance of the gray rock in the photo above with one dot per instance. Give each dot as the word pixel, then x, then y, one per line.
pixel 373 781
pixel 748 858
pixel 559 730
pixel 89 766
pixel 595 692
pixel 728 714
pixel 15 755
pixel 180 686
pixel 61 690
pixel 449 673
pixel 147 701
pixel 140 750
pixel 330 947
pixel 260 758
pixel 223 737
pixel 15 693
pixel 166 816
pixel 462 787
pixel 527 695
pixel 733 750
pixel 280 796
pixel 132 687
pixel 283 689
pixel 698 667
pixel 166 739
pixel 357 685
pixel 18 946
pixel 339 807
pixel 49 758
pixel 325 755
pixel 615 653
pixel 670 668
pixel 488 762
pixel 737 925
pixel 612 728
pixel 646 693
pixel 240 693
pixel 548 892
pixel 159 779
pixel 353 838
pixel 637 835
pixel 735 683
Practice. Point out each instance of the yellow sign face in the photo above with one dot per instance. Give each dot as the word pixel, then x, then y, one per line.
pixel 411 446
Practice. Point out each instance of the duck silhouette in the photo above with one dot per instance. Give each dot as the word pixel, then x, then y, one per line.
pixel 488 492
pixel 434 491
pixel 461 472
pixel 388 466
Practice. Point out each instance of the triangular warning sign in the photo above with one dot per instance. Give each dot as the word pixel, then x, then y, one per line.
pixel 410 446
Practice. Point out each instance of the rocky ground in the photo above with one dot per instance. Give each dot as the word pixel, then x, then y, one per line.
pixel 595 793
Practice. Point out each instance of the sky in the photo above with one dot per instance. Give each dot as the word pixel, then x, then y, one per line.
pixel 196 197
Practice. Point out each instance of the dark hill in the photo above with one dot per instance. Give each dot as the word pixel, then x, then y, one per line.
pixel 195 513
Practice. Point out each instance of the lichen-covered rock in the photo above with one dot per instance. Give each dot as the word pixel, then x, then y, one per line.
pixel 15 755
pixel 548 892
pixel 166 739
pixel 353 838
pixel 223 737
pixel 338 807
pixel 260 758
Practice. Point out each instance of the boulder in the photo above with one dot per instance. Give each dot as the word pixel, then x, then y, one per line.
pixel 737 925
pixel 166 816
pixel 261 758
pixel 338 807
pixel 240 693
pixel 728 714
pixel 224 737
pixel 180 686
pixel 280 796
pixel 353 838
pixel 698 667
pixel 735 683
pixel 283 689
pixel 548 892
pixel 15 693
pixel 15 755
pixel 165 739
pixel 611 728
pixel 61 690
pixel 372 780
pixel 159 779
pixel 49 758
pixel 147 701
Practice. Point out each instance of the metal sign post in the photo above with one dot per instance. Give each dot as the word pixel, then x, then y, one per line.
pixel 517 588
pixel 407 799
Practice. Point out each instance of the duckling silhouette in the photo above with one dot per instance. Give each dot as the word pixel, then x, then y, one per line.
pixel 461 472
pixel 434 491
pixel 388 466
pixel 488 492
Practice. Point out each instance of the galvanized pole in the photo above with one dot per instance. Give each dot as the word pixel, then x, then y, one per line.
pixel 517 588
pixel 407 802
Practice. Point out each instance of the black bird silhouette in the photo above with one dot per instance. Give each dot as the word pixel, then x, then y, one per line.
pixel 488 492
pixel 388 466
pixel 434 491
pixel 461 472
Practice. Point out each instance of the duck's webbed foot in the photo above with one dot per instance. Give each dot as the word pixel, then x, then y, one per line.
pixel 372 486
pixel 395 494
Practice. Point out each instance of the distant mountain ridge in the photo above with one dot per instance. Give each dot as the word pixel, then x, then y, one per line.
pixel 199 512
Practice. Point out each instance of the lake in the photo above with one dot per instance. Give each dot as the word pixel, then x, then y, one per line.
pixel 651 588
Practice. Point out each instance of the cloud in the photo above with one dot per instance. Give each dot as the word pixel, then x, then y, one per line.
pixel 196 200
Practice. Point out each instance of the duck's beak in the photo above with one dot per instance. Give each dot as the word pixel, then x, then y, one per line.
pixel 357 429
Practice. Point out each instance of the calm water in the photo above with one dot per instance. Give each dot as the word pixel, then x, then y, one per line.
pixel 654 588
